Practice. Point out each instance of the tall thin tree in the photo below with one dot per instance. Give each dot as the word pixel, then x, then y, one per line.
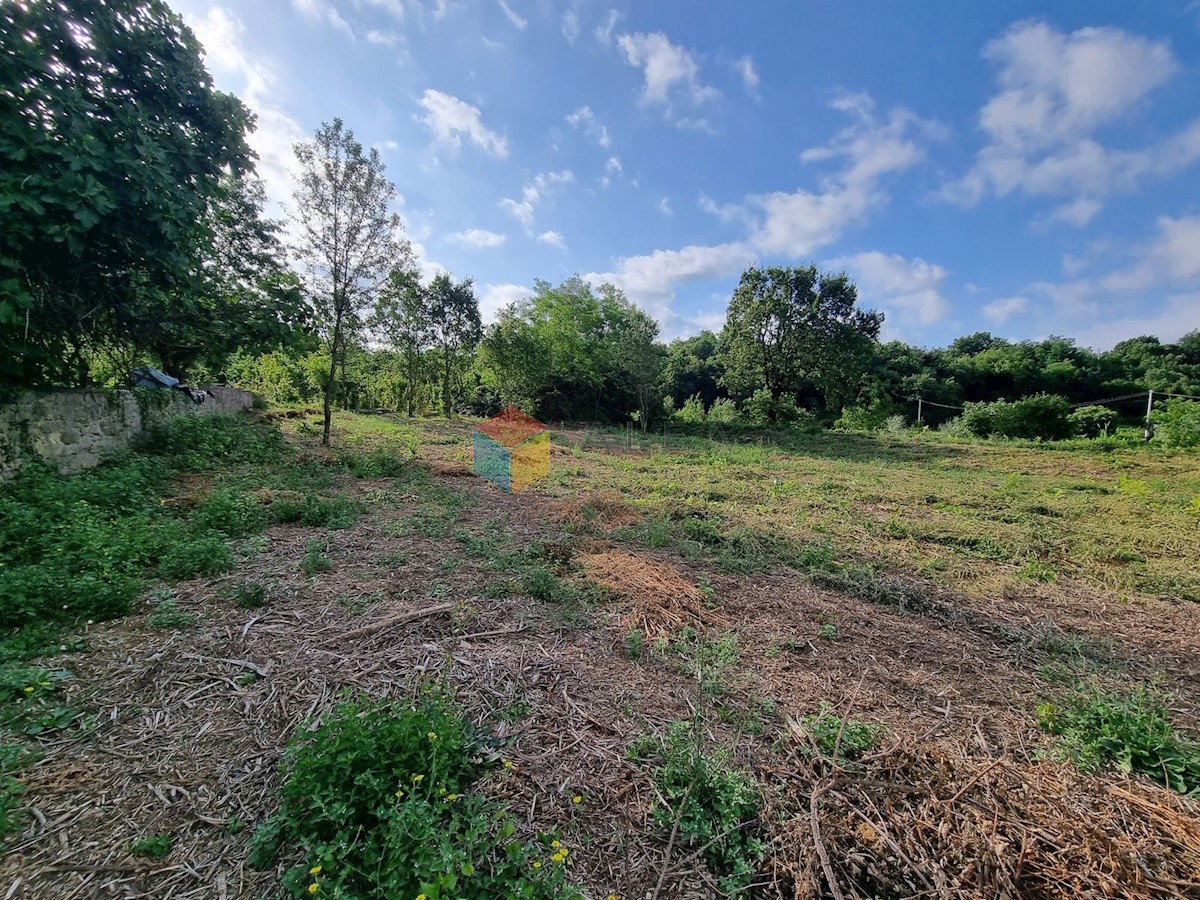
pixel 349 237
pixel 402 317
pixel 454 313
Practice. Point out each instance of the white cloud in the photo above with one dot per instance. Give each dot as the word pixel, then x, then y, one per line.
pixel 394 8
pixel 495 297
pixel 668 69
pixel 477 237
pixel 796 224
pixel 750 79
pixel 533 192
pixel 1179 315
pixel 318 10
pixel 613 165
pixel 382 38
pixel 512 16
pixel 604 30
pixel 910 287
pixel 1055 91
pixel 570 26
pixel 388 145
pixel 449 118
pixel 552 239
pixel 664 207
pixel 695 125
pixel 1000 311
pixel 586 119
pixel 255 81
pixel 1173 256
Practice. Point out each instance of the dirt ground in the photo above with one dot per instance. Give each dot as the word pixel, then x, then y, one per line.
pixel 958 801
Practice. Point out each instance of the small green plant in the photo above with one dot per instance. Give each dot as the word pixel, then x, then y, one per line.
pixel 828 632
pixel 379 800
pixel 634 643
pixel 838 738
pixel 315 560
pixel 315 511
pixel 12 758
pixel 706 659
pixel 168 616
pixel 205 555
pixel 230 512
pixel 714 805
pixel 544 586
pixel 250 594
pixel 234 826
pixel 155 847
pixel 1129 731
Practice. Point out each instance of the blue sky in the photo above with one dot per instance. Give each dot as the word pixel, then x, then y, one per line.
pixel 1024 169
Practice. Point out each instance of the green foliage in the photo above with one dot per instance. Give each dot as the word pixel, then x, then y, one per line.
pixel 214 441
pixel 167 616
pixel 692 411
pixel 1130 731
pixel 315 511
pixel 838 738
pixel 864 418
pixel 315 560
pixel 634 643
pixel 1177 424
pixel 706 659
pixel 204 556
pixel 250 594
pixel 544 586
pixel 716 806
pixel 377 463
pixel 231 513
pixel 154 847
pixel 12 758
pixel 30 699
pixel 1040 417
pixel 1093 421
pixel 381 801
pixel 723 412
pixel 110 153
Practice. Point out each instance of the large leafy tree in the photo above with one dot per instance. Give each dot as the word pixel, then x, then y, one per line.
pixel 113 142
pixel 349 238
pixel 455 328
pixel 404 320
pixel 791 327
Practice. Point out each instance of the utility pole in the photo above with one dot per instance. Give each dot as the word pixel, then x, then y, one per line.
pixel 1148 432
pixel 919 410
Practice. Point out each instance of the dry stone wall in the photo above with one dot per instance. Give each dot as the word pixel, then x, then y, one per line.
pixel 75 429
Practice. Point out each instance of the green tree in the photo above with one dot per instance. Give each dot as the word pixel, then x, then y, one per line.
pixel 403 316
pixel 112 143
pixel 455 329
pixel 349 238
pixel 786 327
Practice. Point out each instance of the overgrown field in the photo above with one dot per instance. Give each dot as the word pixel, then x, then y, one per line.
pixel 694 665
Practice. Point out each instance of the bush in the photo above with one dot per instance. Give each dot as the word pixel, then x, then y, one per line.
pixel 723 412
pixel 895 425
pixel 1092 421
pixel 1129 731
pixel 829 732
pixel 1043 417
pixel 232 513
pixel 209 441
pixel 201 556
pixel 378 802
pixel 955 428
pixel 760 410
pixel 1177 424
pixel 863 418
pixel 692 411
pixel 712 802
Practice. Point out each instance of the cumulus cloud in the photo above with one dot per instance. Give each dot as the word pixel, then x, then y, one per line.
pixel 669 71
pixel 1055 91
pixel 909 288
pixel 664 207
pixel 750 79
pixel 552 239
pixel 477 237
pixel 382 38
pixel 320 11
pixel 533 193
pixel 1000 311
pixel 586 120
pixel 613 165
pixel 449 119
pixel 570 26
pixel 604 30
pixel 1171 256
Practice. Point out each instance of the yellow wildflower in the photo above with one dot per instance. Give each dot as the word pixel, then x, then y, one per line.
pixel 315 870
pixel 555 844
pixel 612 897
pixel 507 764
pixel 417 779
pixel 537 863
pixel 432 735
pixel 313 888
pixel 576 799
pixel 450 798
pixel 399 795
pixel 422 897
pixel 44 683
pixel 29 690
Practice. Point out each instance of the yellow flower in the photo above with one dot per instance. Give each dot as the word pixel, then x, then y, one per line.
pixel 417 779
pixel 29 690
pixel 44 683
pixel 422 897
pixel 313 888
pixel 432 735
pixel 450 798
pixel 612 897
pixel 576 799
pixel 315 870
pixel 507 763
pixel 537 863
pixel 399 795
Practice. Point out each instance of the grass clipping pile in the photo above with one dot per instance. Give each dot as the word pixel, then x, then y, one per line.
pixel 932 820
pixel 657 598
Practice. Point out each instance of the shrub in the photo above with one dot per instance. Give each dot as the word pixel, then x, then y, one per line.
pixel 378 463
pixel 209 441
pixel 1129 731
pixel 1177 424
pixel 315 511
pixel 1092 421
pixel 230 512
pixel 378 802
pixel 204 556
pixel 713 803
pixel 831 734
pixel 1040 417
pixel 863 418
pixel 955 427
pixel 692 411
pixel 723 412
pixel 895 424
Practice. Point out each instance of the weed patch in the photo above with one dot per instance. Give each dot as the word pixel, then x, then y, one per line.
pixel 381 801
pixel 837 738
pixel 167 615
pixel 1131 732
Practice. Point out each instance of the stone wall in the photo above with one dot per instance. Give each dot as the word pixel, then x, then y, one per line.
pixel 75 429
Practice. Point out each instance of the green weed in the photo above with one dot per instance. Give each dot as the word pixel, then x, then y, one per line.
pixel 204 556
pixel 708 660
pixel 315 511
pixel 168 616
pixel 250 594
pixel 838 738
pixel 13 757
pixel 315 560
pixel 716 806
pixel 155 847
pixel 381 801
pixel 1129 731
pixel 230 512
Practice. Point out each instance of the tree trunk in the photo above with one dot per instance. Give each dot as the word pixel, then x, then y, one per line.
pixel 446 384
pixel 329 383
